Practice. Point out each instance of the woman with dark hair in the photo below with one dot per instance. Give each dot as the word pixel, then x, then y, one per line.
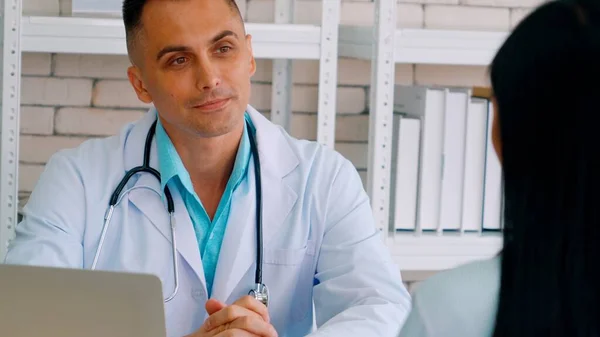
pixel 546 280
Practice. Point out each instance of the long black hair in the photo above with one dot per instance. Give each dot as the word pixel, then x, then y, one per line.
pixel 546 81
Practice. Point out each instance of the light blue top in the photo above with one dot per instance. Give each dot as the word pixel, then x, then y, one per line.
pixel 208 233
pixel 460 302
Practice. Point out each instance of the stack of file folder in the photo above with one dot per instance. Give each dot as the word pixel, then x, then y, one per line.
pixel 445 175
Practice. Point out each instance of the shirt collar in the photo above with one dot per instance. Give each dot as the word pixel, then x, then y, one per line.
pixel 171 166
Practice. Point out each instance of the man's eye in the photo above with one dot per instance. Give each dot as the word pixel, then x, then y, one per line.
pixel 179 61
pixel 224 49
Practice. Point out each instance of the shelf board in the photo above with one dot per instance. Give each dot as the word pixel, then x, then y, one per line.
pixel 107 36
pixel 425 46
pixel 433 251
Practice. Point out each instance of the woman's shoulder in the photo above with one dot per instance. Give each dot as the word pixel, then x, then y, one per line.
pixel 469 276
pixel 461 299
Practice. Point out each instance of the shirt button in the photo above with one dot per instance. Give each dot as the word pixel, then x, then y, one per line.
pixel 197 293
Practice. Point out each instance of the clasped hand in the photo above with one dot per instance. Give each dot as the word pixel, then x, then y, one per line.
pixel 247 317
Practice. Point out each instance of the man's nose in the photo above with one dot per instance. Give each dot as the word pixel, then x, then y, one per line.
pixel 207 76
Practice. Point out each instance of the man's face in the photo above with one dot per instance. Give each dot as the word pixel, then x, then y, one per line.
pixel 194 62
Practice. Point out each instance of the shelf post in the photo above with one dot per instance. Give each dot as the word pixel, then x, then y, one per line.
pixel 10 105
pixel 281 97
pixel 328 68
pixel 381 113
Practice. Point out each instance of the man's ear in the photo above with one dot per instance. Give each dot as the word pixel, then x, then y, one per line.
pixel 251 53
pixel 135 78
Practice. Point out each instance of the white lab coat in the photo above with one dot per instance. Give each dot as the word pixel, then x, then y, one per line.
pixel 319 238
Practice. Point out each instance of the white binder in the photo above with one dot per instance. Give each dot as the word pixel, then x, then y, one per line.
pixel 426 104
pixel 453 159
pixel 405 173
pixel 475 152
pixel 492 199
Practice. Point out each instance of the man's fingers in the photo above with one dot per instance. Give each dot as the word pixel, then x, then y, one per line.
pixel 213 306
pixel 253 304
pixel 255 325
pixel 235 333
pixel 227 315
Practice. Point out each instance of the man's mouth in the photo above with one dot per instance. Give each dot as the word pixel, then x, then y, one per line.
pixel 212 105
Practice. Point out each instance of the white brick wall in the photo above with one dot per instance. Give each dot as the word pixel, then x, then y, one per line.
pixel 442 2
pixel 56 91
pixel 41 7
pixel 502 3
pixel 65 6
pixel 116 94
pixel 37 120
pixel 91 66
pixel 28 175
pixel 467 17
pixel 93 121
pixel 36 64
pixel 69 98
pixel 38 149
pixel 464 76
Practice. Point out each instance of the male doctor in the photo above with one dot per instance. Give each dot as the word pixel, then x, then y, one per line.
pixel 193 60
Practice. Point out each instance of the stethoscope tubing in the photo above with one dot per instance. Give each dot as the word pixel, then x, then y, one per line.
pixel 260 291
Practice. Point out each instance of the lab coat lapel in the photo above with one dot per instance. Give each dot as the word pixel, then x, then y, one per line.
pixel 186 237
pixel 238 251
pixel 146 197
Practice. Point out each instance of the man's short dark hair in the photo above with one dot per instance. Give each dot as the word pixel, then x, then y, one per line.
pixel 132 18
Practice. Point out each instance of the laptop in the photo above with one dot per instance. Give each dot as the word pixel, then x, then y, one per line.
pixel 43 301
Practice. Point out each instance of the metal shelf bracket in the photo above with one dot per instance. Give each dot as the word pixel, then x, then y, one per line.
pixel 11 98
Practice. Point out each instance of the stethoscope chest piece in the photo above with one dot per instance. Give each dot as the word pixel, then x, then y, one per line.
pixel 261 293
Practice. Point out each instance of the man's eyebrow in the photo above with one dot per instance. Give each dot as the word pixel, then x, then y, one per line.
pixel 171 49
pixel 222 35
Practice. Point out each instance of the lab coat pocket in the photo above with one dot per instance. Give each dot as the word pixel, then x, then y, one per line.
pixel 295 268
pixel 286 257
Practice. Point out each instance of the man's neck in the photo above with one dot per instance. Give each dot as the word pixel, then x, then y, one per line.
pixel 209 162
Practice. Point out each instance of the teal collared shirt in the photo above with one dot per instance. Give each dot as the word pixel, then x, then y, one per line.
pixel 209 234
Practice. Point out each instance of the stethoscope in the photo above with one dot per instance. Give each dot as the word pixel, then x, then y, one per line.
pixel 259 291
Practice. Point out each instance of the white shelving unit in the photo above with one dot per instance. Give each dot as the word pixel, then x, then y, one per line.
pixel 424 46
pixel 385 45
pixel 281 41
pixel 11 101
pixel 107 36
pixel 430 252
